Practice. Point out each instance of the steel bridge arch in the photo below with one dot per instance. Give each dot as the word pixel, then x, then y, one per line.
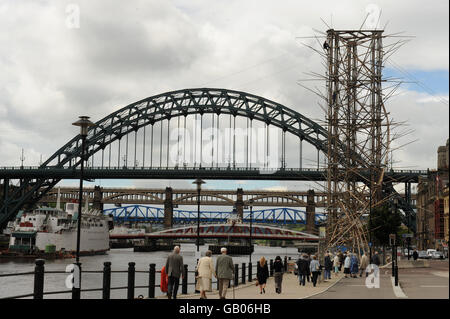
pixel 283 197
pixel 180 199
pixel 143 194
pixel 160 107
pixel 186 102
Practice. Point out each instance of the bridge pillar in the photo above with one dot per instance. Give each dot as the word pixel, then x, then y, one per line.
pixel 168 208
pixel 310 211
pixel 98 198
pixel 239 204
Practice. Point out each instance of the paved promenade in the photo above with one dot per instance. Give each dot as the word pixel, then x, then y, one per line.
pixel 290 290
pixel 422 283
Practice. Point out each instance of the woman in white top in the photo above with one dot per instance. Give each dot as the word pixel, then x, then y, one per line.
pixel 336 264
pixel 347 262
pixel 205 269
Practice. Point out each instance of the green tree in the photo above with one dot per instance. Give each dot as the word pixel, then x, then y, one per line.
pixel 384 221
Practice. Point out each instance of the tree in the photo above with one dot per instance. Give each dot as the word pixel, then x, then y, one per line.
pixel 384 221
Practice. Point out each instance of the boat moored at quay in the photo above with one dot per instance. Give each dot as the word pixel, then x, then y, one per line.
pixel 47 232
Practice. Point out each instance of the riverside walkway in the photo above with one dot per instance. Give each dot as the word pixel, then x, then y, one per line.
pixel 290 289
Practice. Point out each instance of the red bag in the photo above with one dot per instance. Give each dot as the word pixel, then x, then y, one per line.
pixel 164 280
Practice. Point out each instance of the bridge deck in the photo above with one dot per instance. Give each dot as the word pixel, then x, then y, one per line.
pixel 224 173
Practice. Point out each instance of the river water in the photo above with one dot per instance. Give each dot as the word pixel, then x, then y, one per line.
pixel 119 258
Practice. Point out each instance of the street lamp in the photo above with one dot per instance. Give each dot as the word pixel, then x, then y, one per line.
pixel 84 125
pixel 251 220
pixel 199 183
pixel 370 215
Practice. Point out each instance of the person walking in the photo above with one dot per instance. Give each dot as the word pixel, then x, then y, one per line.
pixel 328 266
pixel 347 266
pixel 364 265
pixel 278 274
pixel 174 270
pixel 354 265
pixel 308 260
pixel 205 270
pixel 262 273
pixel 376 259
pixel 336 264
pixel 415 255
pixel 224 272
pixel 315 269
pixel 303 269
pixel 341 259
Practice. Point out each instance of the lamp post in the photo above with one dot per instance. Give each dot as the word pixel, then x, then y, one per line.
pixel 251 220
pixel 84 125
pixel 370 216
pixel 199 183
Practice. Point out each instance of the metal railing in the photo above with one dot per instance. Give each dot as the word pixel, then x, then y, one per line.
pixel 246 272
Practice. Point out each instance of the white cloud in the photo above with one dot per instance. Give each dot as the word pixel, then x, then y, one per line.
pixel 124 52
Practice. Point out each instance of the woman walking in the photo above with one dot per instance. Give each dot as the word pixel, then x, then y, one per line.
pixel 347 266
pixel 262 273
pixel 278 274
pixel 354 265
pixel 336 264
pixel 205 269
pixel 315 268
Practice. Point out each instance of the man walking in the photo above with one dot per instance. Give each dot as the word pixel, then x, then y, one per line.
pixel 303 269
pixel 415 255
pixel 376 259
pixel 364 265
pixel 224 272
pixel 174 268
pixel 328 266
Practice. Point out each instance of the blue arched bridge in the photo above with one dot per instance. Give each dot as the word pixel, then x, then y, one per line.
pixel 133 142
pixel 141 213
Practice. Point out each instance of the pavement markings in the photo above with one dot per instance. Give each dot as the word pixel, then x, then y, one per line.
pixel 440 274
pixel 326 289
pixel 356 285
pixel 398 292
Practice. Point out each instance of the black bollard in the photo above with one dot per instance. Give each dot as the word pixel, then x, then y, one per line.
pixel 131 273
pixel 285 264
pixel 271 267
pixel 393 262
pixel 250 279
pixel 184 283
pixel 243 273
pixel 396 275
pixel 39 279
pixel 151 281
pixel 236 275
pixel 106 280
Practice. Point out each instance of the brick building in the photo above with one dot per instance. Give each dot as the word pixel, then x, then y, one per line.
pixel 432 221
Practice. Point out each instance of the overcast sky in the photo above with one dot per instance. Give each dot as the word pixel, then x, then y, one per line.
pixel 55 67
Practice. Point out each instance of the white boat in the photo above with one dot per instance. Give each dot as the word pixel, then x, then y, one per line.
pixel 52 230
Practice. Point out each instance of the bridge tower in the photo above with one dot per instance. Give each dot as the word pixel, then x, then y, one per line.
pixel 310 212
pixel 168 208
pixel 358 131
pixel 239 203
